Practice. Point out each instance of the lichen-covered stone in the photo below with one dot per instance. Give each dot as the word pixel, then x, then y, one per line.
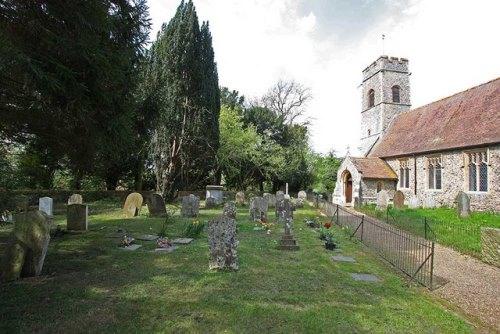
pixel 133 205
pixel 230 210
pixel 190 206
pixel 240 198
pixel 258 208
pixel 27 247
pixel 222 244
pixel 302 195
pixel 271 200
pixel 75 199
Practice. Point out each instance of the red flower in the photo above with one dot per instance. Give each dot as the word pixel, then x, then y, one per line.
pixel 327 225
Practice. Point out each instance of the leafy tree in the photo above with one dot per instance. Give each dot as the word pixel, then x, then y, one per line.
pixel 325 169
pixel 231 99
pixel 287 99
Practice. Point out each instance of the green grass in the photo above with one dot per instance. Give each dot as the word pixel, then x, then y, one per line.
pixel 443 225
pixel 91 286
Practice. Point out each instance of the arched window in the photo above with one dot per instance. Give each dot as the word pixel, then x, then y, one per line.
pixel 371 98
pixel 478 171
pixel 395 94
pixel 434 166
pixel 379 187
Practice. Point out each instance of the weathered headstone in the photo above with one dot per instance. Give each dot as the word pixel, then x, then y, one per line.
pixel 210 203
pixel 190 206
pixel 229 210
pixel 429 201
pixel 222 244
pixel 258 208
pixel 299 203
pixel 133 205
pixel 271 200
pixel 77 219
pixel 280 195
pixel 413 202
pixel 286 196
pixel 25 253
pixel 463 204
pixel 287 241
pixel 46 204
pixel 217 192
pixel 240 198
pixel 399 200
pixel 75 199
pixel 302 195
pixel 156 206
pixel 382 200
pixel 284 211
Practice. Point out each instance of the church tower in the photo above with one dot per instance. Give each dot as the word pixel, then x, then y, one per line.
pixel 386 94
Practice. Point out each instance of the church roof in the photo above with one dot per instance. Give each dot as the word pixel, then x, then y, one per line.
pixel 374 168
pixel 469 118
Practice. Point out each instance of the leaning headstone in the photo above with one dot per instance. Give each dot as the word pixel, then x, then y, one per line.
pixel 463 204
pixel 429 201
pixel 258 208
pixel 133 205
pixel 271 200
pixel 46 204
pixel 229 210
pixel 77 219
pixel 240 198
pixel 413 202
pixel 399 200
pixel 190 206
pixel 302 195
pixel 382 200
pixel 75 199
pixel 210 203
pixel 222 244
pixel 25 253
pixel 156 206
pixel 217 192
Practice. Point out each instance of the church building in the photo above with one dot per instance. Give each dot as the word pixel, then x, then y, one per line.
pixel 430 153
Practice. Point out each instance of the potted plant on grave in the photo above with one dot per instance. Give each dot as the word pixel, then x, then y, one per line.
pixel 329 242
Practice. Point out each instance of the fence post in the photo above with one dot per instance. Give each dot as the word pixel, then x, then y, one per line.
pixel 425 228
pixel 338 215
pixel 387 215
pixel 432 264
pixel 362 225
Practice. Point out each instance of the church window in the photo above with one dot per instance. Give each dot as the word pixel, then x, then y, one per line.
pixel 371 98
pixel 477 168
pixel 404 174
pixel 379 186
pixel 395 94
pixel 434 172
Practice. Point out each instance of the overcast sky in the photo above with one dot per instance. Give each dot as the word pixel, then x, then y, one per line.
pixel 451 45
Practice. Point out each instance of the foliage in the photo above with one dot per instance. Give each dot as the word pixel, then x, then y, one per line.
pixel 324 172
pixel 287 99
pixel 193 229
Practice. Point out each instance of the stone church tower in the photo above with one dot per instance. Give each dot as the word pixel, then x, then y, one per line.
pixel 386 94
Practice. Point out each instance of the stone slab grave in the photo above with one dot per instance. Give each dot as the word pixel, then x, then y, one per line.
pixel 365 277
pixel 25 252
pixel 463 205
pixel 190 206
pixel 258 208
pixel 413 202
pixel 46 204
pixel 222 244
pixel 217 192
pixel 132 247
pixel 147 237
pixel 77 217
pixel 343 259
pixel 182 241
pixel 165 250
pixel 133 205
pixel 271 200
pixel 398 200
pixel 382 200
pixel 75 199
pixel 156 205
pixel 239 198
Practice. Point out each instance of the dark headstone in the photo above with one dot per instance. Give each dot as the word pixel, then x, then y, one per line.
pixel 77 219
pixel 210 203
pixel 222 244
pixel 399 200
pixel 463 204
pixel 258 208
pixel 156 206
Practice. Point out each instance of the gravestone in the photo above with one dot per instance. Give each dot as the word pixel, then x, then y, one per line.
pixel 25 253
pixel 279 195
pixel 382 200
pixel 77 217
pixel 46 204
pixel 365 277
pixel 413 202
pixel 463 204
pixel 75 199
pixel 222 244
pixel 217 192
pixel 302 195
pixel 240 198
pixel 271 200
pixel 299 203
pixel 229 210
pixel 156 206
pixel 287 241
pixel 284 211
pixel 133 205
pixel 429 201
pixel 258 208
pixel 190 206
pixel 399 200
pixel 210 203
pixel 286 196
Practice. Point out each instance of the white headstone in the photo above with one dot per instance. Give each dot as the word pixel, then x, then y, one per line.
pixel 75 199
pixel 413 202
pixel 46 205
pixel 217 192
pixel 429 201
pixel 382 200
pixel 302 195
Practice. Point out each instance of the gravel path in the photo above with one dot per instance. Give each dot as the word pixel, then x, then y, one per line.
pixel 473 285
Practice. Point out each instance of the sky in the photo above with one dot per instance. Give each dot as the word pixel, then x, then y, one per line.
pixel 452 45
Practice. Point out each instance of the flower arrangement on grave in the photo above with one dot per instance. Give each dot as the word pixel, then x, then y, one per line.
pixel 265 225
pixel 329 242
pixel 194 229
pixel 163 242
pixel 311 222
pixel 327 224
pixel 127 241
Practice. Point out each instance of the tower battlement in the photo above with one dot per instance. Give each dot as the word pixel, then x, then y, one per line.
pixel 386 63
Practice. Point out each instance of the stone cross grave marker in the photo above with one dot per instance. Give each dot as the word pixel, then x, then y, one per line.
pixel 399 200
pixel 75 199
pixel 46 204
pixel 222 244
pixel 77 217
pixel 463 204
pixel 382 200
pixel 413 202
pixel 156 206
pixel 190 206
pixel 133 205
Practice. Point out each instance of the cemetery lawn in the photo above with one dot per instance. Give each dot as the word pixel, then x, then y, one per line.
pixel 91 286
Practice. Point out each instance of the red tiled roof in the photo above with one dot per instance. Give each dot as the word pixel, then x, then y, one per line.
pixel 374 168
pixel 469 118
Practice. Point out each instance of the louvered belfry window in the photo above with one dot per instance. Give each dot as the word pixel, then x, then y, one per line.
pixel 477 168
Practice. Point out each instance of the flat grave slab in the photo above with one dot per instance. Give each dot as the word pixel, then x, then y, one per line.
pixel 337 250
pixel 131 247
pixel 343 259
pixel 258 228
pixel 165 250
pixel 365 277
pixel 147 237
pixel 182 241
